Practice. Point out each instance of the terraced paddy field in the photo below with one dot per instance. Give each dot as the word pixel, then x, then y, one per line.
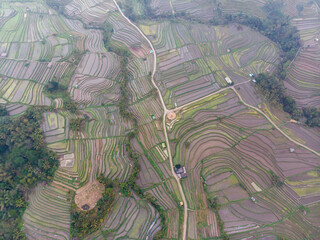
pixel 130 218
pixel 229 152
pixel 303 75
pixel 37 47
pixel 93 11
pixel 302 8
pixel 303 78
pixel 194 59
pixel 206 10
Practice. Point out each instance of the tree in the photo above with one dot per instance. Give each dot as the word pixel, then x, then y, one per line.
pixel 299 8
pixel 23 163
pixel 289 104
pixel 75 124
pixel 275 179
pixel 3 111
pixel 178 166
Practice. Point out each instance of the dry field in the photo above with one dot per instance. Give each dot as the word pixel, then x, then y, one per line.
pixel 89 195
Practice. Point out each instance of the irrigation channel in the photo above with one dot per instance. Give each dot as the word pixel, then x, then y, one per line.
pixel 185 215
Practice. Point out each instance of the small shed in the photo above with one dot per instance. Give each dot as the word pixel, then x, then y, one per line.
pixel 85 207
pixel 291 150
pixel 181 172
pixel 228 80
pixel 253 199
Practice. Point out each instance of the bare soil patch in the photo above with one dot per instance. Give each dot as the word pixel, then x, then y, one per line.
pixel 171 115
pixel 88 195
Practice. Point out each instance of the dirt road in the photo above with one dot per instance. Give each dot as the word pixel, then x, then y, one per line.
pixel 184 232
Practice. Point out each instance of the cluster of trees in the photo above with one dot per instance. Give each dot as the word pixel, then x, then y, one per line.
pixel 276 26
pixel 58 5
pixel 24 161
pixel 3 111
pixel 215 206
pixel 132 182
pixel 130 185
pixel 130 13
pixel 75 124
pixel 75 57
pixel 275 179
pixel 54 90
pixel 312 116
pixel 124 54
pixel 274 91
pixel 124 100
pixel 107 34
pixel 86 222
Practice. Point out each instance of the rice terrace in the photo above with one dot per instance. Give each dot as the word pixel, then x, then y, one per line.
pixel 160 119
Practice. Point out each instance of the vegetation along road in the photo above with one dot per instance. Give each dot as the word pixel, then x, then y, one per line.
pixel 185 217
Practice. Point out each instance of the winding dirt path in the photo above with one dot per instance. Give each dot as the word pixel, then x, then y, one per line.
pixel 269 119
pixel 255 108
pixel 185 217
